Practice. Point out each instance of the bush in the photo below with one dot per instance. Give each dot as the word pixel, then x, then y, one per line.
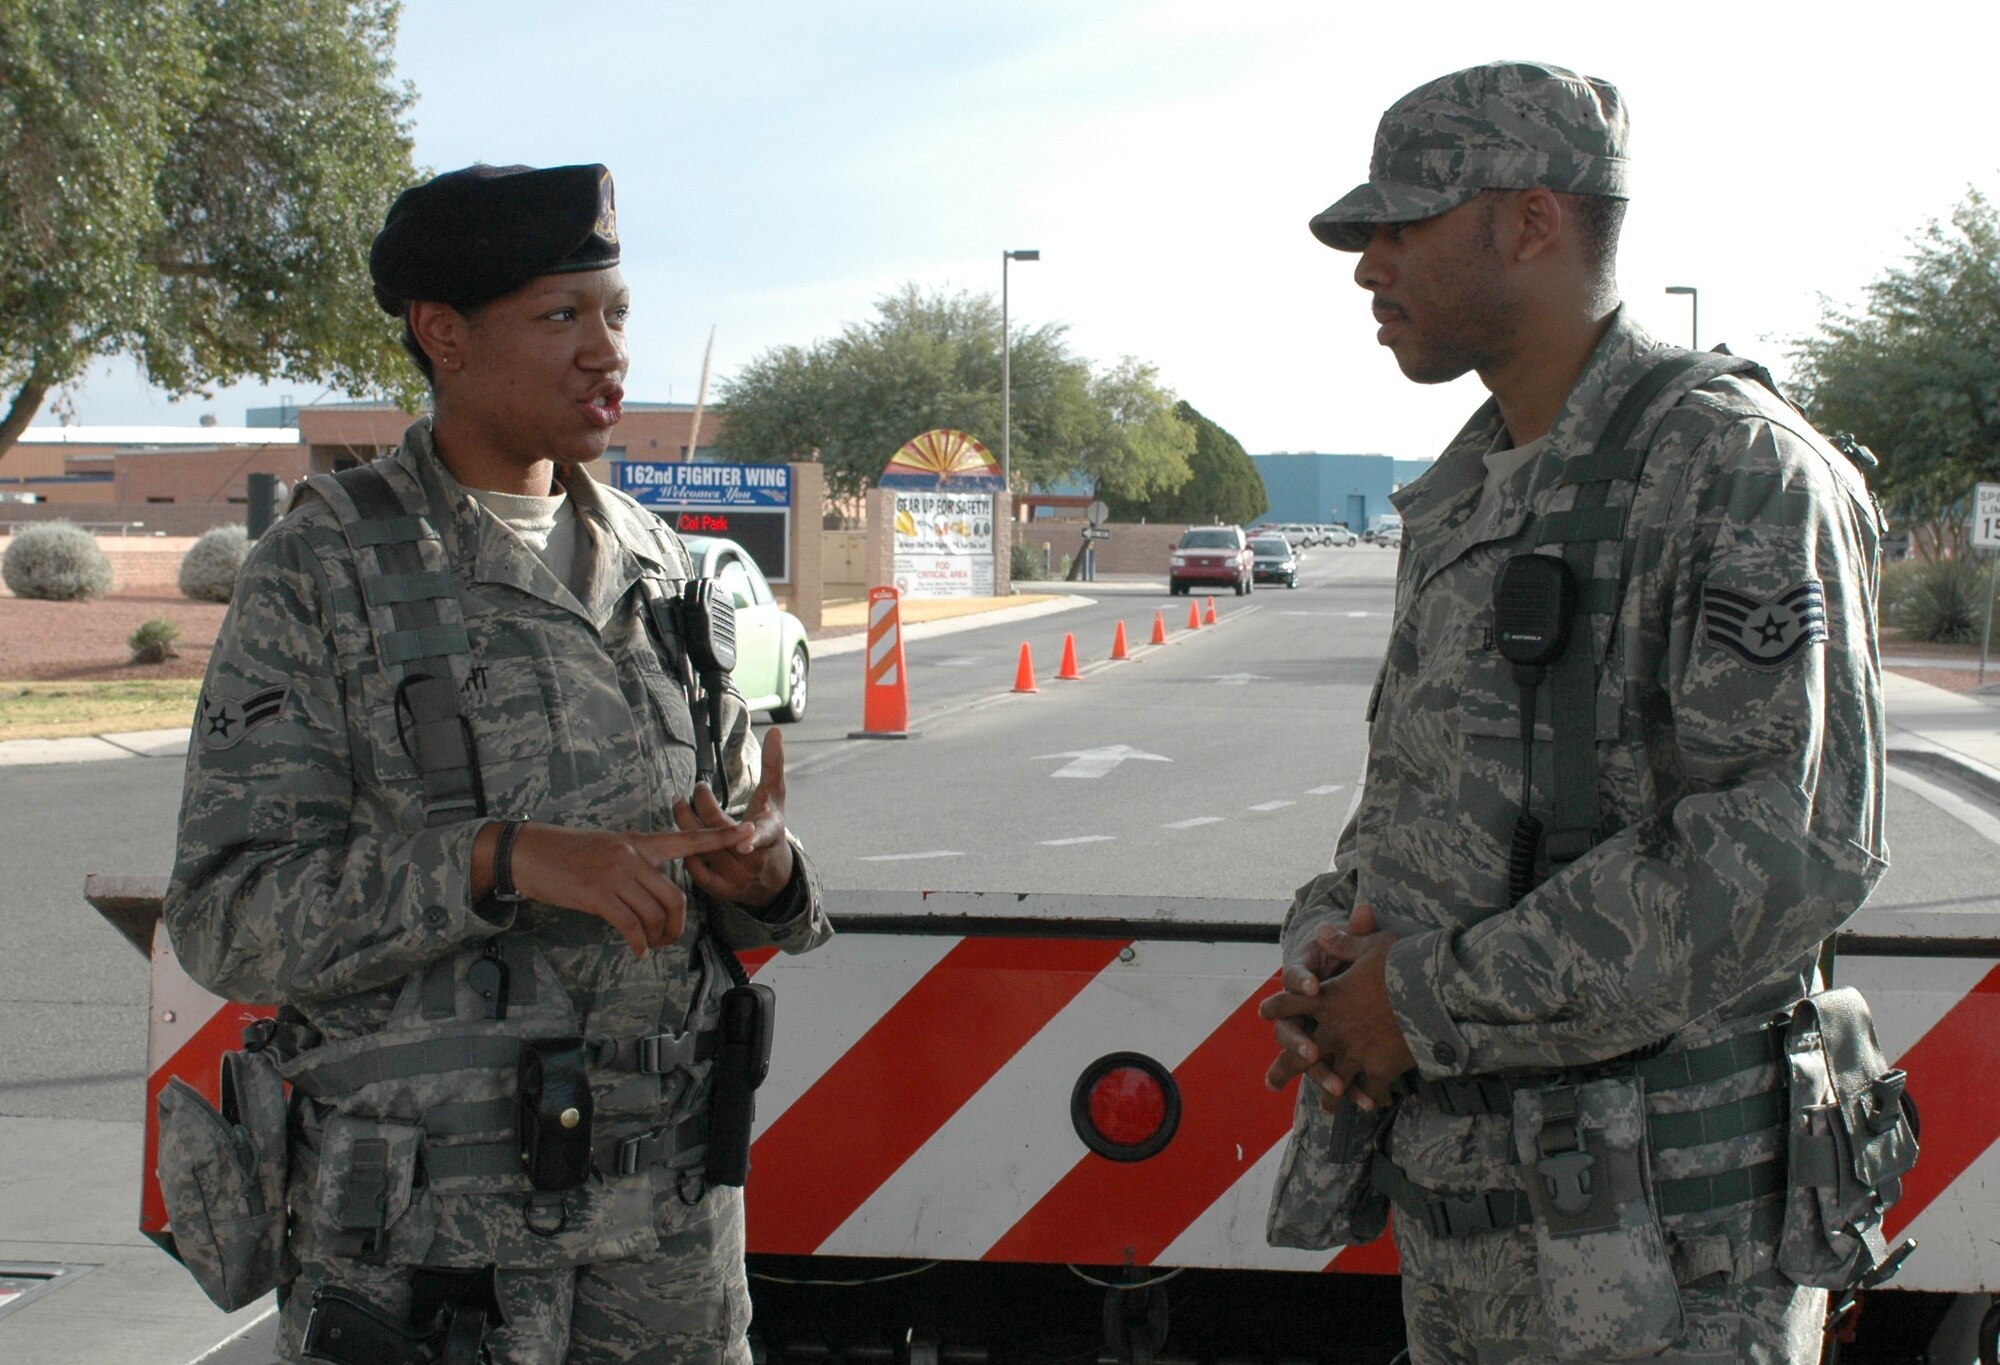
pixel 56 561
pixel 153 641
pixel 210 567
pixel 1026 562
pixel 1942 602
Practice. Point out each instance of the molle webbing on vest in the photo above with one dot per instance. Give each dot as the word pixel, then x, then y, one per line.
pixel 1591 525
pixel 419 629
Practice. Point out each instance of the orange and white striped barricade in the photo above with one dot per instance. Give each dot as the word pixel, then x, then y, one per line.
pixel 885 688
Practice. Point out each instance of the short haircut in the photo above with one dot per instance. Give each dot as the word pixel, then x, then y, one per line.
pixel 1599 219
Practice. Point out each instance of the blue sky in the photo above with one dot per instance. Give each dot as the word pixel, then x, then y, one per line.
pixel 780 165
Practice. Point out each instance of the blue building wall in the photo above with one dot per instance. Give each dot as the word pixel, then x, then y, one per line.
pixel 1314 487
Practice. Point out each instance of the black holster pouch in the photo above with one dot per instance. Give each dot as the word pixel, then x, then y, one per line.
pixel 345 1329
pixel 742 1059
pixel 555 1113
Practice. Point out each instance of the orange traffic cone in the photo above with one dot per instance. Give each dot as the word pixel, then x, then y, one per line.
pixel 1209 619
pixel 1024 676
pixel 1118 643
pixel 1159 627
pixel 1194 616
pixel 1068 673
pixel 885 692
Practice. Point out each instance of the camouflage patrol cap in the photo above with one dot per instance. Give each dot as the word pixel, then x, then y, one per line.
pixel 466 237
pixel 1503 126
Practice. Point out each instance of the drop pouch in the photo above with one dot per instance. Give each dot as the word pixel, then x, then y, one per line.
pixel 1608 1287
pixel 1322 1197
pixel 1850 1138
pixel 222 1174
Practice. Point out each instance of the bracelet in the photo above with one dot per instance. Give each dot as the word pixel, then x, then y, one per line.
pixel 503 864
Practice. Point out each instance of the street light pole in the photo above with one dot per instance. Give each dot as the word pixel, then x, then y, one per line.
pixel 1694 312
pixel 1007 371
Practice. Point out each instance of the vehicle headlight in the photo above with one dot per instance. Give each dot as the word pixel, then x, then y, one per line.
pixel 1178 561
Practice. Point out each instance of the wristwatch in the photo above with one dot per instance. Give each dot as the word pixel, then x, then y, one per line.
pixel 503 864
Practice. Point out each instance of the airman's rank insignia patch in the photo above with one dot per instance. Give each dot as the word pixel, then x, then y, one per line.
pixel 223 724
pixel 1765 634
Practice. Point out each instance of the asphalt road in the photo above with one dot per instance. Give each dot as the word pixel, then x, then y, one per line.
pixel 1221 764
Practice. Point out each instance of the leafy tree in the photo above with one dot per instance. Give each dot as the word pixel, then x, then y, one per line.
pixel 195 182
pixel 1915 373
pixel 1223 483
pixel 933 360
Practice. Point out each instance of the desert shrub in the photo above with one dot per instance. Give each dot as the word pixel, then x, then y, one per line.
pixel 1025 561
pixel 210 567
pixel 153 640
pixel 56 561
pixel 1943 602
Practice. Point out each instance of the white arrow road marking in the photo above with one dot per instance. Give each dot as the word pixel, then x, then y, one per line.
pixel 1098 762
pixel 1274 805
pixel 1079 839
pixel 1237 679
pixel 909 857
pixel 1198 820
pixel 1326 790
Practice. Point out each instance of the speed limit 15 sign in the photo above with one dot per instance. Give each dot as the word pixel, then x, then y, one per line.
pixel 1986 516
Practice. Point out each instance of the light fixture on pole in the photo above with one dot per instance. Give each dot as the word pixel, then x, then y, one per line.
pixel 1007 371
pixel 1694 312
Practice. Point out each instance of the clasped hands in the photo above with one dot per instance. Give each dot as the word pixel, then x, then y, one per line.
pixel 1333 1020
pixel 621 877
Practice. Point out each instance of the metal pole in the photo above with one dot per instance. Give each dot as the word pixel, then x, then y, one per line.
pixel 1694 319
pixel 1986 638
pixel 1006 384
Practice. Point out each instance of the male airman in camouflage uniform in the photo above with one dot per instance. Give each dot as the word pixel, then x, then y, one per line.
pixel 312 870
pixel 1737 730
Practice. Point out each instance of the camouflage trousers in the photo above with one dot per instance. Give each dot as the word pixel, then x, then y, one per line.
pixel 685 1303
pixel 1764 1320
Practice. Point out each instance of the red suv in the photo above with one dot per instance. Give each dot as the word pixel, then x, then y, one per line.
pixel 1211 554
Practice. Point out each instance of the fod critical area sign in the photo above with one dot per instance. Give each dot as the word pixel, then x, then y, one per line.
pixel 751 504
pixel 944 544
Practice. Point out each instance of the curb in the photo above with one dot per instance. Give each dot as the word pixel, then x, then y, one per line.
pixel 1967 772
pixel 857 641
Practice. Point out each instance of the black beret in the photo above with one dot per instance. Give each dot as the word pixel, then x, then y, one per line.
pixel 467 237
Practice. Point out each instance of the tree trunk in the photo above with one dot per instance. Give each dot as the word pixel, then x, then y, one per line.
pixel 27 402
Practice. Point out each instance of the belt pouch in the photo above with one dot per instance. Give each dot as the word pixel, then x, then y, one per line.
pixel 1323 1197
pixel 223 1178
pixel 1608 1289
pixel 555 1113
pixel 742 1058
pixel 1849 1141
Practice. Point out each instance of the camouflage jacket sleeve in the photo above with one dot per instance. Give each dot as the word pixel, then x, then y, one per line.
pixel 1764 749
pixel 1326 899
pixel 796 921
pixel 277 894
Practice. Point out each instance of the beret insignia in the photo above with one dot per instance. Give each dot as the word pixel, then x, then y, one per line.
pixel 1765 634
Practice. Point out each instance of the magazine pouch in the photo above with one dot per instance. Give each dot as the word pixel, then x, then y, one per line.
pixel 1322 1198
pixel 1607 1284
pixel 223 1178
pixel 1850 1138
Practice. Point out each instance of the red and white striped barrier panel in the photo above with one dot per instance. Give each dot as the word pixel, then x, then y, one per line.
pixel 926 1073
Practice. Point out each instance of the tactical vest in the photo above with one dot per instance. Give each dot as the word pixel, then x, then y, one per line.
pixel 429 1106
pixel 1841 1171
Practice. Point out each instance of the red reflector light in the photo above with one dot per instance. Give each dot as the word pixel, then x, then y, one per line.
pixel 1127 1105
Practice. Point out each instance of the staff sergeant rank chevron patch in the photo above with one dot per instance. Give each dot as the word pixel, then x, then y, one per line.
pixel 1765 634
pixel 222 724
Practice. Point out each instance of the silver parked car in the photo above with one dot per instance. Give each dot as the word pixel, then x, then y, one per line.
pixel 773 660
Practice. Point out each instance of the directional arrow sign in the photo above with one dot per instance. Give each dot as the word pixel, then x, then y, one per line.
pixel 1098 762
pixel 1237 679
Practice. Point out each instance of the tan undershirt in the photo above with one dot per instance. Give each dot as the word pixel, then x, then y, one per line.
pixel 1503 461
pixel 548 526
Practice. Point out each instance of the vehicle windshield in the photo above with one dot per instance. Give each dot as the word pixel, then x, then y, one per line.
pixel 1209 538
pixel 1274 545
